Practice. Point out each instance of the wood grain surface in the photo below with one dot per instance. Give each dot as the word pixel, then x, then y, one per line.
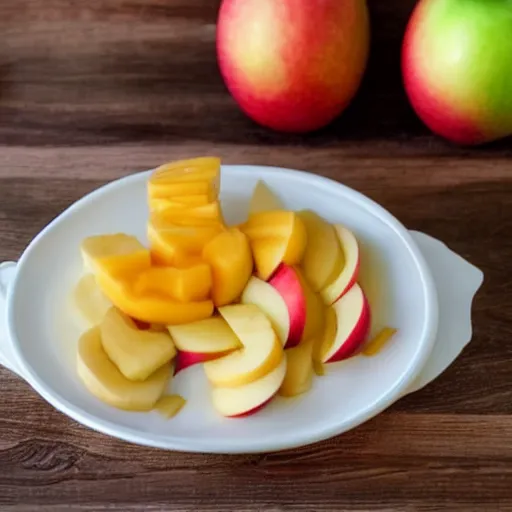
pixel 91 91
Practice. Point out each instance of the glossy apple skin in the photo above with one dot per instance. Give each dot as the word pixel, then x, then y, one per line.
pixel 357 336
pixel 185 359
pixel 293 65
pixel 254 410
pixel 457 68
pixel 286 282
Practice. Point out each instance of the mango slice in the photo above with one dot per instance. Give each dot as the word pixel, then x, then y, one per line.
pixel 102 378
pixel 155 308
pixel 182 284
pixel 118 254
pixel 170 405
pixel 229 255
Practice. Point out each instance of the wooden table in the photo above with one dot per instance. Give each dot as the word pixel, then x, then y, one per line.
pixel 91 91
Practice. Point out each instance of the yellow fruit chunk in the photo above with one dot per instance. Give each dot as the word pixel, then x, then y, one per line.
pixel 186 177
pixel 182 284
pixel 261 353
pixel 263 199
pixel 90 300
pixel 136 353
pixel 379 341
pixel 193 169
pixel 157 204
pixel 117 254
pixel 275 237
pixel 156 309
pixel 186 216
pixel 177 245
pixel 210 336
pixel 323 254
pixel 230 258
pixel 170 405
pixel 102 378
pixel 299 370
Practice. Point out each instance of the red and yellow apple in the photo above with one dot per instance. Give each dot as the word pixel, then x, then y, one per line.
pixel 293 66
pixel 352 325
pixel 457 68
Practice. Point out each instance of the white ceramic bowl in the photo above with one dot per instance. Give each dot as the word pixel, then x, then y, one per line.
pixel 44 329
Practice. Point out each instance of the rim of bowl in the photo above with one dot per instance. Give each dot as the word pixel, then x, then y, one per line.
pixel 235 446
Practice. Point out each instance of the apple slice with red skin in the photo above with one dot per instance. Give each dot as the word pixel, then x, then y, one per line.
pixel 185 359
pixel 352 326
pixel 250 398
pixel 282 299
pixel 202 341
pixel 348 274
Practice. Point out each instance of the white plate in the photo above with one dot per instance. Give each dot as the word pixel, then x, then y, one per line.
pixel 44 329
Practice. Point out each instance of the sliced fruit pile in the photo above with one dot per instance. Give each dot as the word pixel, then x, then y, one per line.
pixel 263 306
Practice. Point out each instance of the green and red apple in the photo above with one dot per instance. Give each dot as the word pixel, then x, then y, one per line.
pixel 457 68
pixel 293 66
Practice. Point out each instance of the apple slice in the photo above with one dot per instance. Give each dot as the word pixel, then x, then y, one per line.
pixel 349 273
pixel 352 325
pixel 103 379
pixel 89 300
pixel 263 199
pixel 208 336
pixel 323 256
pixel 299 370
pixel 245 400
pixel 261 350
pixel 202 341
pixel 286 281
pixel 282 300
pixel 136 353
pixel 118 254
pixel 270 301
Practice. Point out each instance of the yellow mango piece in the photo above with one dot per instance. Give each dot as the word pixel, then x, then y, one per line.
pixel 156 309
pixel 319 368
pixel 183 284
pixel 229 255
pixel 117 254
pixel 90 300
pixel 315 309
pixel 103 379
pixel 324 342
pixel 170 405
pixel 207 215
pixel 136 353
pixel 175 245
pixel 193 169
pixel 157 204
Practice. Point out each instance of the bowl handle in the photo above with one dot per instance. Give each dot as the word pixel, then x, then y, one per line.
pixel 7 357
pixel 457 282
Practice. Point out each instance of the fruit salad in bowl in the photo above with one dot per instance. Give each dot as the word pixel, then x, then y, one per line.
pixel 223 308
